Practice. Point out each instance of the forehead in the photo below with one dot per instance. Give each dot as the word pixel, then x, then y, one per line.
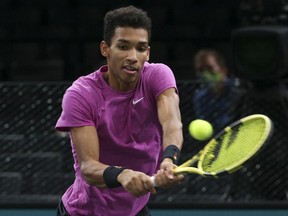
pixel 129 34
pixel 211 60
pixel 207 62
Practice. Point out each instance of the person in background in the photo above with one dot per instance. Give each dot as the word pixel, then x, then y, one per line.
pixel 217 97
pixel 124 122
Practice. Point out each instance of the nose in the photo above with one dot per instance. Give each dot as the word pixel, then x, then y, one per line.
pixel 132 55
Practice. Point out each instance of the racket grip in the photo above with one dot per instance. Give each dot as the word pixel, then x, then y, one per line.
pixel 152 178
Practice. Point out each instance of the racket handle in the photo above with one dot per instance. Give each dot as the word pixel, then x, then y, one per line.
pixel 152 178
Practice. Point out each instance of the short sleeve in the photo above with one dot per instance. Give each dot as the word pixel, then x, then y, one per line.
pixel 161 79
pixel 76 112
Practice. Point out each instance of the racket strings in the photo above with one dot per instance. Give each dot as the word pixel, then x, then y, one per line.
pixel 233 135
pixel 233 147
pixel 221 144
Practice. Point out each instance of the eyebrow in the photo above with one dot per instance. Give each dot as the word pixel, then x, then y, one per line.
pixel 126 41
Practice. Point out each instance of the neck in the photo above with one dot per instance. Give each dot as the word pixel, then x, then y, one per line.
pixel 118 85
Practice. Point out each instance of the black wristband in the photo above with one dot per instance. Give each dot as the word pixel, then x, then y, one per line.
pixel 172 152
pixel 110 176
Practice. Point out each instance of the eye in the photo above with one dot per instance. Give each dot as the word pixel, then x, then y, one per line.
pixel 122 47
pixel 142 48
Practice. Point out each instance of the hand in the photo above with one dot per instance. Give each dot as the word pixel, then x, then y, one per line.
pixel 136 183
pixel 165 177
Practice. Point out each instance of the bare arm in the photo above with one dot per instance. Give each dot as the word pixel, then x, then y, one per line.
pixel 170 120
pixel 86 144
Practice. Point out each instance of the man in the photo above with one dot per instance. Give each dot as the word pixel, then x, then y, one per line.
pixel 124 122
pixel 217 99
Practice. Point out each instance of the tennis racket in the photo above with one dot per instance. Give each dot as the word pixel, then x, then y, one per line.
pixel 230 148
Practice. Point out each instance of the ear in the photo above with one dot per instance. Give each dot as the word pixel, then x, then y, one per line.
pixel 148 54
pixel 104 48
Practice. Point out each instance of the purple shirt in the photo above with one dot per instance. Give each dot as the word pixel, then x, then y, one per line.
pixel 129 132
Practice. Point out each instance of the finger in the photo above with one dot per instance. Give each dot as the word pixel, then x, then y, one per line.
pixel 143 185
pixel 161 177
pixel 135 187
pixel 178 180
pixel 180 177
pixel 138 192
pixel 170 174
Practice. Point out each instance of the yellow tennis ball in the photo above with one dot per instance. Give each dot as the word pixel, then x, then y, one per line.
pixel 200 129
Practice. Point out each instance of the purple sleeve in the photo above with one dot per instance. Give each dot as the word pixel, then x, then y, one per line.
pixel 76 112
pixel 161 79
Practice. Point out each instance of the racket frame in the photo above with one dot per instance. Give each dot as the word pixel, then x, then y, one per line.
pixel 186 166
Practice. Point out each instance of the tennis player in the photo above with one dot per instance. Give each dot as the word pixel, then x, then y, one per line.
pixel 124 123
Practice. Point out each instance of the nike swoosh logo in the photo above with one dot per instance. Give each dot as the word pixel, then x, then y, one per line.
pixel 137 101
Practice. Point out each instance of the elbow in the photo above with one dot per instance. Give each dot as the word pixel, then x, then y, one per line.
pixel 89 173
pixel 86 173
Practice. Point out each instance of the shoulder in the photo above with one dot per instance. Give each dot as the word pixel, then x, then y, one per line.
pixel 85 87
pixel 157 77
pixel 152 67
pixel 157 71
pixel 87 82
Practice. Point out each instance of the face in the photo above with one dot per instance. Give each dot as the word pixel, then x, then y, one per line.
pixel 211 64
pixel 126 56
pixel 210 70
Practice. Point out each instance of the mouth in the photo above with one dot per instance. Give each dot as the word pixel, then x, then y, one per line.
pixel 130 69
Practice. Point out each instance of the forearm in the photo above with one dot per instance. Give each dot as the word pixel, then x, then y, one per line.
pixel 172 144
pixel 170 119
pixel 172 134
pixel 172 125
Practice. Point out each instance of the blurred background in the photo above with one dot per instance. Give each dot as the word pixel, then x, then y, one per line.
pixel 45 45
pixel 59 40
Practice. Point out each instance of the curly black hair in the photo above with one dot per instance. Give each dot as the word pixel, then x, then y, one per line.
pixel 129 16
